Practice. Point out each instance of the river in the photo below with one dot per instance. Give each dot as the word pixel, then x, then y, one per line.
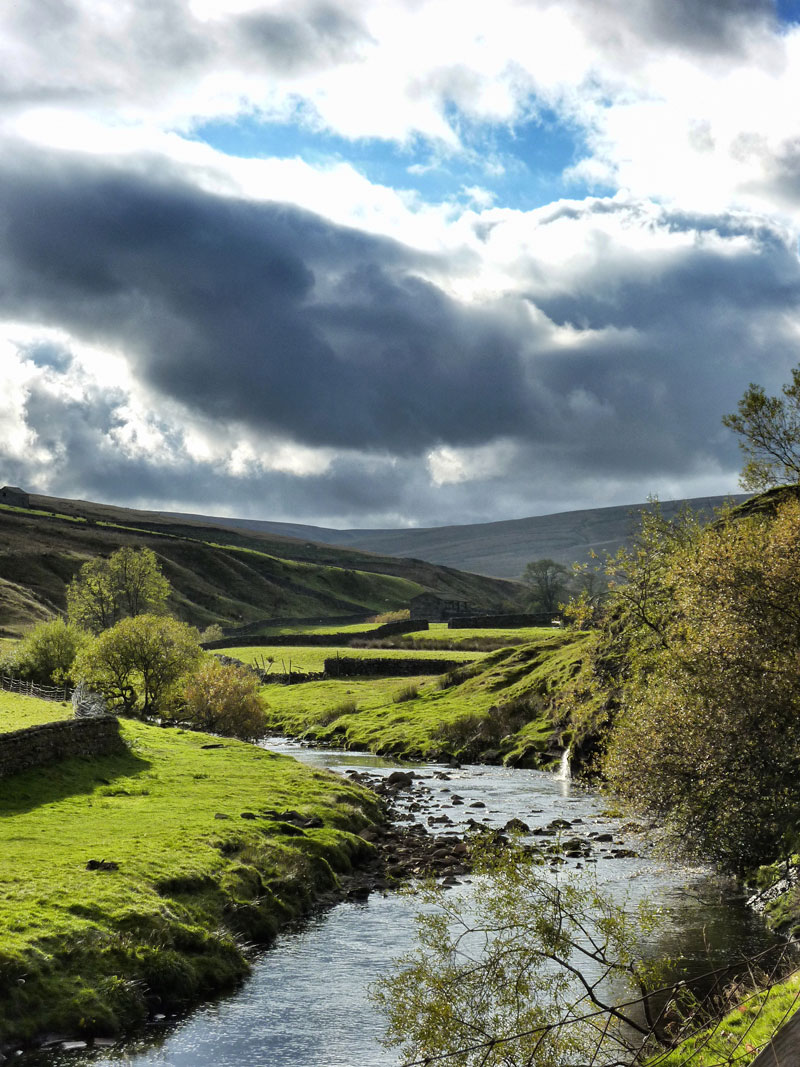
pixel 306 1004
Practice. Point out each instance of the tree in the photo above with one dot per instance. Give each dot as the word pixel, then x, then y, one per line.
pixel 46 654
pixel 520 973
pixel 138 663
pixel 708 736
pixel 549 583
pixel 769 431
pixel 128 583
pixel 224 699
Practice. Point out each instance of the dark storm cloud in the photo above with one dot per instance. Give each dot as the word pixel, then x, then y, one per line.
pixel 266 317
pixel 258 312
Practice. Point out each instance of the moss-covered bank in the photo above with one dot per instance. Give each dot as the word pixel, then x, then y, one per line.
pixel 197 865
pixel 499 708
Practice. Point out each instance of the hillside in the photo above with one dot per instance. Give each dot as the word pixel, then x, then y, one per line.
pixel 499 549
pixel 218 574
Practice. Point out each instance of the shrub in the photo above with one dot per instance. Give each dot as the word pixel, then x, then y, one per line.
pixel 224 699
pixel 48 652
pixel 385 617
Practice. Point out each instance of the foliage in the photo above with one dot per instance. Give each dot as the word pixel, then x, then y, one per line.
pixel 549 583
pixel 212 633
pixel 769 431
pixel 519 972
pixel 709 733
pixel 128 583
pixel 402 615
pixel 138 663
pixel 48 651
pixel 224 699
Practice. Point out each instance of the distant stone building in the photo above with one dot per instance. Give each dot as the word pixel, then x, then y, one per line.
pixel 435 608
pixel 15 497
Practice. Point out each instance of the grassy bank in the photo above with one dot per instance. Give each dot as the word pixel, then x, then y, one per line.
pixel 193 882
pixel 497 707
pixel 741 1034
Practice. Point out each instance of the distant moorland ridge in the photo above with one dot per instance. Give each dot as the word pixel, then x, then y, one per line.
pixel 219 573
pixel 496 549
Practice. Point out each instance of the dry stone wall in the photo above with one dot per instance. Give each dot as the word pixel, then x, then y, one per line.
pixel 384 667
pixel 487 622
pixel 37 746
pixel 388 629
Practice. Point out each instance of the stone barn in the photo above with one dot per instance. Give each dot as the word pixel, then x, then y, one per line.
pixel 15 497
pixel 435 608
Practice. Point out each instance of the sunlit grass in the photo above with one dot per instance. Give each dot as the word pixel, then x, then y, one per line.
pixel 192 874
pixel 741 1035
pixel 308 658
pixel 460 715
pixel 18 712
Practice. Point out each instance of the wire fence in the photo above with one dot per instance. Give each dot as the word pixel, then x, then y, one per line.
pixel 25 688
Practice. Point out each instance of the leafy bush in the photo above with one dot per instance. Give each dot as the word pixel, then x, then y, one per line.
pixel 47 654
pixel 709 732
pixel 224 699
pixel 403 615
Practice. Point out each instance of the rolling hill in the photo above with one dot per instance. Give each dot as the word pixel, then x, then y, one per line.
pixel 219 574
pixel 499 549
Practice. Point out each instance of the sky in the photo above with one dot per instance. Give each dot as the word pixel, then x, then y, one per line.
pixel 384 263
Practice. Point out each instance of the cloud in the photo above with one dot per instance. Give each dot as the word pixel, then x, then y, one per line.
pixel 310 363
pixel 285 331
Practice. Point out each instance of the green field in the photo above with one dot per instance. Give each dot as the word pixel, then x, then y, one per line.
pixel 498 707
pixel 327 628
pixel 195 881
pixel 307 658
pixel 18 712
pixel 513 635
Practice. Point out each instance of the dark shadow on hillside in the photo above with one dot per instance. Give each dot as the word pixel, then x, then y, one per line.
pixel 20 793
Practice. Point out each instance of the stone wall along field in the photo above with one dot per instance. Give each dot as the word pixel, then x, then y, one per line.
pixel 486 622
pixel 384 667
pixel 311 640
pixel 37 746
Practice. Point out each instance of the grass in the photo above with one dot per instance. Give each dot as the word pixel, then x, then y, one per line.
pixel 741 1034
pixel 87 951
pixel 328 628
pixel 497 707
pixel 440 636
pixel 18 712
pixel 307 658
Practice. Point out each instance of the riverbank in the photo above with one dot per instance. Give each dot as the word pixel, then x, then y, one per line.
pixel 498 709
pixel 138 884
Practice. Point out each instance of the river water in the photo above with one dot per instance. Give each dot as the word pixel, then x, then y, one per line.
pixel 306 1004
